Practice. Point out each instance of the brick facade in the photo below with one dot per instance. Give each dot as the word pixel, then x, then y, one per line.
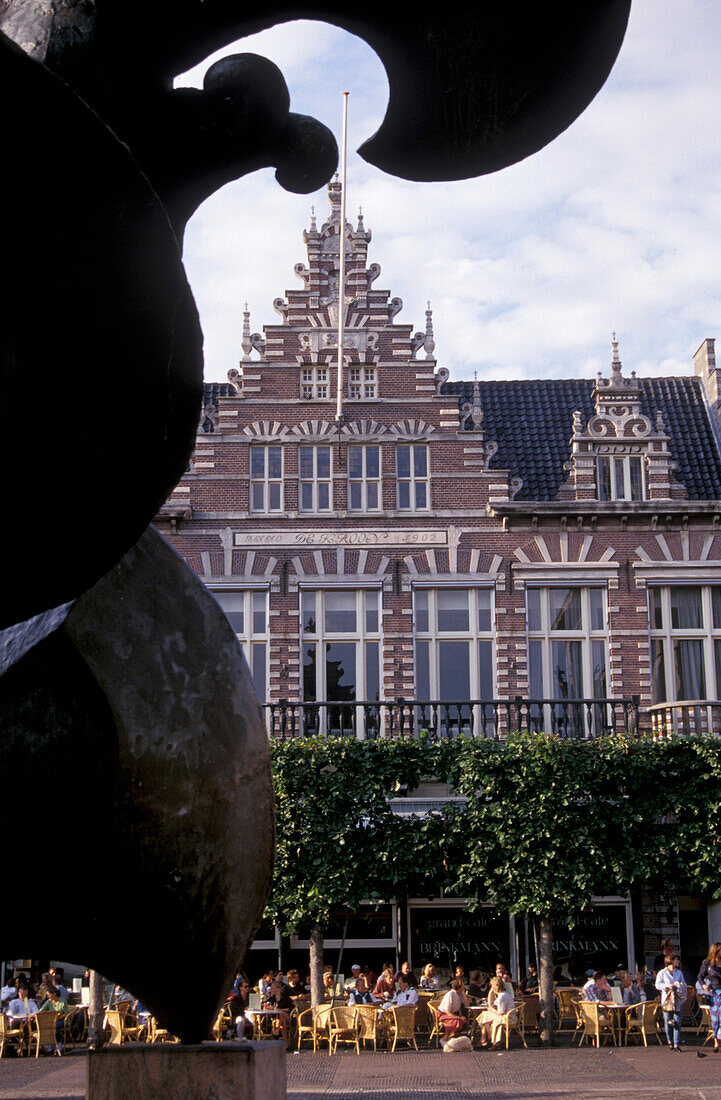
pixel 513 482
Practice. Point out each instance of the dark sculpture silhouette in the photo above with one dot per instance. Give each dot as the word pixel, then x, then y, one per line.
pixel 122 683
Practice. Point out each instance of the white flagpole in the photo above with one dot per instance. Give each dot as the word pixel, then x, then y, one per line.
pixel 341 272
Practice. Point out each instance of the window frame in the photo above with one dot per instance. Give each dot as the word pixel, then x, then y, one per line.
pixel 413 481
pixel 614 459
pixel 367 380
pixel 250 639
pixel 586 634
pixel 364 481
pixel 708 634
pixel 315 383
pixel 315 481
pixel 266 481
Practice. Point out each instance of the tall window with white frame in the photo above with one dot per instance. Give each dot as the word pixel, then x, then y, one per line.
pixel 568 657
pixel 412 477
pixel 247 613
pixel 685 624
pixel 454 655
pixel 620 477
pixel 266 478
pixel 364 477
pixel 315 484
pixel 340 654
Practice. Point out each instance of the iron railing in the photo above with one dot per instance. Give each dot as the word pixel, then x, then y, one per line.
pixel 580 719
pixel 694 716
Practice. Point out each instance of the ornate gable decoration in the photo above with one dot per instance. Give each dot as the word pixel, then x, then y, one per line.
pixel 620 454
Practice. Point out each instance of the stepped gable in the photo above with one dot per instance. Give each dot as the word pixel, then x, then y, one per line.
pixel 532 422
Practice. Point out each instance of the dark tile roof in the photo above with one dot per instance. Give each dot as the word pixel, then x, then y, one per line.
pixel 531 420
pixel 213 390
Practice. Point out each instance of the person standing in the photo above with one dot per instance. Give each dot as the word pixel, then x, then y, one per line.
pixel 672 986
pixel 709 978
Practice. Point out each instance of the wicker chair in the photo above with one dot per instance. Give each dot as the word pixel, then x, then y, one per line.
pixel 321 1025
pixel 402 1025
pixel 437 1028
pixel 424 1020
pixel 224 1026
pixel 642 1019
pixel 565 1000
pixel 75 1027
pixel 11 1036
pixel 595 1026
pixel 43 1032
pixel 157 1034
pixel 370 1024
pixel 304 1025
pixel 705 1024
pixel 343 1028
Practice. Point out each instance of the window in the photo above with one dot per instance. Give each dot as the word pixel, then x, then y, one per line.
pixel 364 478
pixel 685 623
pixel 315 492
pixel 454 651
pixel 341 648
pixel 567 654
pixel 314 383
pixel 266 479
pixel 247 613
pixel 362 383
pixel 620 477
pixel 412 475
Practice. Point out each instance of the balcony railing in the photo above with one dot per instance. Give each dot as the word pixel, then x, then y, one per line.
pixel 694 716
pixel 579 719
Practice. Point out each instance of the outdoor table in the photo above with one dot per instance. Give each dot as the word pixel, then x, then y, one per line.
pixel 618 1018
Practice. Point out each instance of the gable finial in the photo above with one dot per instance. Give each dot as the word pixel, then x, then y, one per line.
pixel 245 342
pixel 615 360
pixel 429 343
pixel 313 225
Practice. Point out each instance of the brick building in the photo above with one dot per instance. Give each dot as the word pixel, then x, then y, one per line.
pixel 459 556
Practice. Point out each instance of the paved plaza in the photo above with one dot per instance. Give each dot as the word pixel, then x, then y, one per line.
pixel 652 1074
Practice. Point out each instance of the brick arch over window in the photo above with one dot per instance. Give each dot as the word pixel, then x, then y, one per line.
pixel 564 548
pixel 411 429
pixel 452 562
pixel 266 431
pixel 341 563
pixel 682 546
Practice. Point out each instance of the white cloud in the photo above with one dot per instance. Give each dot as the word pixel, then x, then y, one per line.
pixel 615 224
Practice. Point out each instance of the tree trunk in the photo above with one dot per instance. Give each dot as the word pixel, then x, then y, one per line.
pixel 317 993
pixel 545 978
pixel 96 1011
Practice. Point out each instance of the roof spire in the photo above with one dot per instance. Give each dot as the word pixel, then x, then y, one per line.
pixel 429 343
pixel 313 226
pixel 360 220
pixel 245 342
pixel 615 360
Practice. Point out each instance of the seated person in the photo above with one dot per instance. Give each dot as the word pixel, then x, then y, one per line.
pixel 57 973
pixel 328 981
pixel 239 979
pixel 370 975
pixel 405 971
pixel 43 990
pixel 407 994
pixel 597 990
pixel 54 1002
pixel 294 985
pixel 475 989
pixel 449 1010
pixel 632 995
pixel 280 999
pixel 500 1003
pixel 360 994
pixel 385 986
pixel 530 984
pixel 429 978
pixel 21 1006
pixel 458 973
pixel 239 1004
pixel 265 983
pixel 502 973
pixel 355 973
pixel 7 994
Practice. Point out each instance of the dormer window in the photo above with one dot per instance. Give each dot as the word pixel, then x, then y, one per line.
pixel 620 477
pixel 314 383
pixel 362 383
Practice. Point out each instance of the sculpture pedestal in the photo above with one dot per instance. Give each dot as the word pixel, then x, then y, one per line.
pixel 221 1071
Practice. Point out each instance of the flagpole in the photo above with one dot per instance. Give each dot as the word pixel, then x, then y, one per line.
pixel 341 272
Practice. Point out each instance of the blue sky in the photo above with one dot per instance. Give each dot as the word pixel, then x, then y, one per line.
pixel 614 225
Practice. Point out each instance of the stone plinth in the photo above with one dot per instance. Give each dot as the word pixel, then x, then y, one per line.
pixel 212 1071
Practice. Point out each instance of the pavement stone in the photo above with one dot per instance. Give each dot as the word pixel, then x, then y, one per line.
pixel 563 1073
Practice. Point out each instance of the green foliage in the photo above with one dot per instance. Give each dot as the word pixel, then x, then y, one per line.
pixel 548 822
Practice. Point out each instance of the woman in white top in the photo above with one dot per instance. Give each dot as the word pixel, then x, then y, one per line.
pixel 429 978
pixel 500 1003
pixel 672 986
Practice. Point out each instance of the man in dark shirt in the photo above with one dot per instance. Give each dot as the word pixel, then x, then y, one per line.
pixel 360 994
pixel 238 1003
pixel 295 986
pixel 530 984
pixel 474 986
pixel 281 999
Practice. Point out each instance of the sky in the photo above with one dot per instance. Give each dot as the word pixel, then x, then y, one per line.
pixel 615 225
